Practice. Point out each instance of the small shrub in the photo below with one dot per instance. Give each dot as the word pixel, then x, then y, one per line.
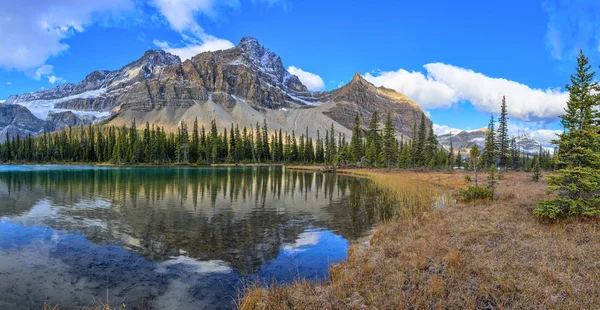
pixel 475 193
pixel 468 179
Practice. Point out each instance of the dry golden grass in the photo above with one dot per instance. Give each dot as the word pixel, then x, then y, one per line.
pixel 481 255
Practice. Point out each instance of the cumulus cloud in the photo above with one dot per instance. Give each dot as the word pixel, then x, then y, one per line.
pixel 32 31
pixel 424 90
pixel 9 83
pixel 311 80
pixel 445 85
pixel 485 93
pixel 181 16
pixel 572 26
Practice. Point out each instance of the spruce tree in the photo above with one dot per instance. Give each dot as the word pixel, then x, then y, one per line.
pixel 357 140
pixel 489 151
pixel 390 147
pixel 373 142
pixel 503 139
pixel 577 183
pixel 420 156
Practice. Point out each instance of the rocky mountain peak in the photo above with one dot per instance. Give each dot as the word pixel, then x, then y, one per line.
pixel 159 58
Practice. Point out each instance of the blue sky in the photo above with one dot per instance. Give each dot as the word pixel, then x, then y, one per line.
pixel 454 58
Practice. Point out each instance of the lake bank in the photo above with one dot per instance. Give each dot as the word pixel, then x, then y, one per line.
pixel 492 254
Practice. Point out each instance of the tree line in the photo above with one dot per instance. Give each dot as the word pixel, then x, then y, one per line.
pixel 502 151
pixel 373 147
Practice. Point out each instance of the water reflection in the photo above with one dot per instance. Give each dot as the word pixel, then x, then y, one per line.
pixel 177 237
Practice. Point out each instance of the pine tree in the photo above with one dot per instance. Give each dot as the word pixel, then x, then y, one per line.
pixel 536 169
pixel 357 140
pixel 431 148
pixel 420 156
pixel 373 142
pixel 577 183
pixel 503 139
pixel 390 146
pixel 488 158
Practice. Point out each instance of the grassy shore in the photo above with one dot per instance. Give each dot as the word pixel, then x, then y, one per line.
pixel 481 255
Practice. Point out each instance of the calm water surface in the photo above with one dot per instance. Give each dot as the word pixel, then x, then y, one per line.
pixel 175 238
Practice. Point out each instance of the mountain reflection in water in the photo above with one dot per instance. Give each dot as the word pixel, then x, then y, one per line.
pixel 178 238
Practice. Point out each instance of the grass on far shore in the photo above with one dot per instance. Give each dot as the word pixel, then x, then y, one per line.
pixel 480 255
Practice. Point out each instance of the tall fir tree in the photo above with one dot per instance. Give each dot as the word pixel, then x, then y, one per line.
pixel 373 142
pixel 390 144
pixel 488 157
pixel 503 139
pixel 357 140
pixel 577 183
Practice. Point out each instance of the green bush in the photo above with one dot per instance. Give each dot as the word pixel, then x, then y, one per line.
pixel 475 193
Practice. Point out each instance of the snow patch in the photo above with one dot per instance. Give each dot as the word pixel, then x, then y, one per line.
pixel 41 108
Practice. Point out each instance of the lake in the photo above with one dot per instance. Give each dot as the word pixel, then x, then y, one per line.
pixel 171 237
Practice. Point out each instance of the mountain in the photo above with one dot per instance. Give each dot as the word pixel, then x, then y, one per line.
pixel 466 139
pixel 244 85
pixel 16 120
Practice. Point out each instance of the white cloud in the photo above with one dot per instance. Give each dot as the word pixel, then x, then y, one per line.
pixel 445 85
pixel 43 70
pixel 312 81
pixel 32 31
pixel 444 129
pixel 55 79
pixel 572 26
pixel 424 90
pixel 485 93
pixel 8 83
pixel 181 16
pixel 195 47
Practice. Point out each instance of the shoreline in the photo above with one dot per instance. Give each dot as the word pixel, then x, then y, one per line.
pixel 464 255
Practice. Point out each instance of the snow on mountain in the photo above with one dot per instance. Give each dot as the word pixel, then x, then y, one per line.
pixel 42 107
pixel 96 84
pixel 466 139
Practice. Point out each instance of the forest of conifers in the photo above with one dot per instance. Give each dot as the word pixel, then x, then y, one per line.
pixel 374 147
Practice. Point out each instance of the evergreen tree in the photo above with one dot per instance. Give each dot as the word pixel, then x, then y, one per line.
pixel 503 139
pixel 357 140
pixel 390 144
pixel 373 142
pixel 536 169
pixel 420 156
pixel 488 157
pixel 577 183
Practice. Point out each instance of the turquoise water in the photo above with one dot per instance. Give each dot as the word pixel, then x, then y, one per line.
pixel 171 237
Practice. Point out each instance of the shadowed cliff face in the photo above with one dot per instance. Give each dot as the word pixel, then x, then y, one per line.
pixel 244 85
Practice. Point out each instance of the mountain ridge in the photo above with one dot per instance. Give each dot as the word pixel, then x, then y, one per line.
pixel 243 85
